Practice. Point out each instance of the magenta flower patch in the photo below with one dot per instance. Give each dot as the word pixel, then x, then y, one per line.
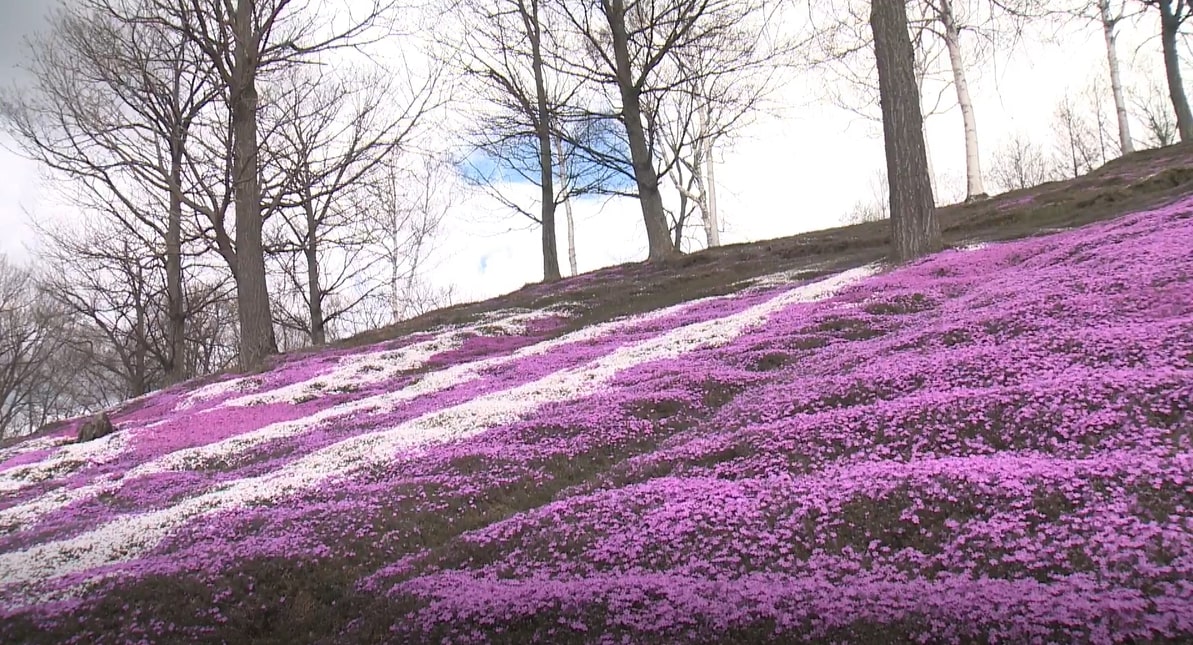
pixel 990 444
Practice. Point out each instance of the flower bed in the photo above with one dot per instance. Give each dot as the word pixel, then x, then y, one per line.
pixel 991 444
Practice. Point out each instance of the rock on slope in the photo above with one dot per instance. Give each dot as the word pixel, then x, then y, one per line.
pixel 991 444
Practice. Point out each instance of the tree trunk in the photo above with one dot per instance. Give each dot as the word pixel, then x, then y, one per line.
pixel 712 226
pixel 708 187
pixel 397 296
pixel 973 161
pixel 175 307
pixel 677 234
pixel 1169 27
pixel 252 294
pixel 699 196
pixel 567 206
pixel 140 381
pixel 931 166
pixel 393 256
pixel 1116 82
pixel 314 291
pixel 651 199
pixel 546 169
pixel 914 229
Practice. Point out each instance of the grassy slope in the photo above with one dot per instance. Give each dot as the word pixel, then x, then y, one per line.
pixel 991 444
pixel 1122 186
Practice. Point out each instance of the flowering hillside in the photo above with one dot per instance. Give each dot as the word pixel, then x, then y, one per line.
pixel 993 444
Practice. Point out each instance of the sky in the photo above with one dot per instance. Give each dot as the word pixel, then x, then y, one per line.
pixel 18 178
pixel 799 170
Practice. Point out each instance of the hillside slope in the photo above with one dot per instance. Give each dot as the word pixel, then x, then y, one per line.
pixel 993 444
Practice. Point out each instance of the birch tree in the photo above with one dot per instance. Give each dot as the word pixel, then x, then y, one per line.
pixel 949 30
pixel 564 162
pixel 1110 18
pixel 993 24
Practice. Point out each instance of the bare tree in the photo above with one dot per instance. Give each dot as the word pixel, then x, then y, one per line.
pixel 111 281
pixel 48 369
pixel 1155 110
pixel 1083 138
pixel 244 42
pixel 111 285
pixel 1021 163
pixel 503 49
pixel 688 122
pixel 29 339
pixel 212 338
pixel 112 107
pixel 1173 14
pixel 641 51
pixel 332 132
pixel 406 206
pixel 874 209
pixel 914 227
pixel 844 50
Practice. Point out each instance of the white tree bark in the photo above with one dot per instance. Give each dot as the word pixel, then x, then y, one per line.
pixel 712 225
pixel 567 206
pixel 567 210
pixel 1116 83
pixel 973 162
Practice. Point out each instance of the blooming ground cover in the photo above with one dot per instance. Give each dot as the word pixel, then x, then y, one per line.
pixel 992 444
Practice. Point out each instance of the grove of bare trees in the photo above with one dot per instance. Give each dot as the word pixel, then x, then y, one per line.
pixel 614 98
pixel 243 177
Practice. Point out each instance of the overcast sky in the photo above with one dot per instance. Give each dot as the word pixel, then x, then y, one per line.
pixel 18 178
pixel 798 172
